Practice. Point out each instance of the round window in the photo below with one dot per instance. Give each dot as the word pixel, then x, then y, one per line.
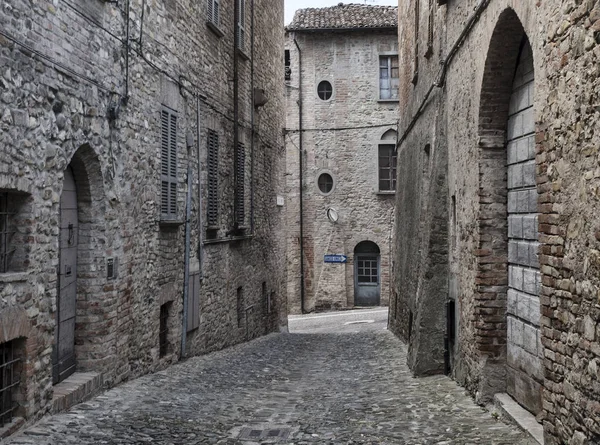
pixel 325 182
pixel 325 90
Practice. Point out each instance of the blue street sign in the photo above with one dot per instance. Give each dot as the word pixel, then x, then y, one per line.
pixel 336 258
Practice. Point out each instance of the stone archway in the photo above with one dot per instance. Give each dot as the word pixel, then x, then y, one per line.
pixel 507 308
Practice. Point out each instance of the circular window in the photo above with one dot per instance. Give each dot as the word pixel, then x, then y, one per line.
pixel 325 90
pixel 325 182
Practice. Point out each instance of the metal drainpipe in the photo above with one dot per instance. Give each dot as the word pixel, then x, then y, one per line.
pixel 200 221
pixel 301 179
pixel 126 98
pixel 235 111
pixel 186 272
pixel 252 110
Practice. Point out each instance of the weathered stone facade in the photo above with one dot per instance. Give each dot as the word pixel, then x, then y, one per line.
pixel 341 137
pixel 76 93
pixel 497 131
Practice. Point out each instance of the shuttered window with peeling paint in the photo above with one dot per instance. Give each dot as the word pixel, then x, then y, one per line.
pixel 212 204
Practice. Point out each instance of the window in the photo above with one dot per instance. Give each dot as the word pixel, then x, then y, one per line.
pixel 212 205
pixel 241 30
pixel 387 167
pixel 163 333
pixel 168 154
pixel 325 183
pixel 240 189
pixel 288 65
pixel 15 222
pixel 324 90
pixel 240 306
pixel 430 25
pixel 7 230
pixel 416 45
pixel 9 381
pixel 213 12
pixel 388 77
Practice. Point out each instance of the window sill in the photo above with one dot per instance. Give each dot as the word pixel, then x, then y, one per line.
pixel 243 55
pixel 231 239
pixel 385 101
pixel 14 277
pixel 386 192
pixel 170 223
pixel 215 29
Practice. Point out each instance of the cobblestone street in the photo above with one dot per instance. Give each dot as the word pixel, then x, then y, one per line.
pixel 335 388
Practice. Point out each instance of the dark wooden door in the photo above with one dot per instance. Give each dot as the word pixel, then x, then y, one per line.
pixel 64 341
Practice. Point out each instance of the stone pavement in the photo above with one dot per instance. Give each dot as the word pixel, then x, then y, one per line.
pixel 351 388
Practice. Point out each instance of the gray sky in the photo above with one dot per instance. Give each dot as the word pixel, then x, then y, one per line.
pixel 292 5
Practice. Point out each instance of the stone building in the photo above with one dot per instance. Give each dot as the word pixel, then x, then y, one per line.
pixel 342 112
pixel 141 159
pixel 497 247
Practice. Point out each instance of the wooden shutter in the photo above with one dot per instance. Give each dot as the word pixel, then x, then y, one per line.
pixel 240 177
pixel 213 12
pixel 241 31
pixel 193 312
pixel 168 155
pixel 212 205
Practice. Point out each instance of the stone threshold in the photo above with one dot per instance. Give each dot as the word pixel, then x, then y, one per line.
pixel 75 389
pixel 518 415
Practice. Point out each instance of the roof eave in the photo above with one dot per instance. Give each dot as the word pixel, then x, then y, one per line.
pixel 354 28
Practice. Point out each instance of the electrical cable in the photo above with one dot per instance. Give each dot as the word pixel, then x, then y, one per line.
pixel 361 127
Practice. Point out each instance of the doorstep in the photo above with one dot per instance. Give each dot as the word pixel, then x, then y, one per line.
pixel 75 389
pixel 515 413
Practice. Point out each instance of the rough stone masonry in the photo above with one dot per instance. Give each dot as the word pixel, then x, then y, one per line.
pixel 128 98
pixel 496 254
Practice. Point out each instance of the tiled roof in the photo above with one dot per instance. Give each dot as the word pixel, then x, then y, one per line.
pixel 345 16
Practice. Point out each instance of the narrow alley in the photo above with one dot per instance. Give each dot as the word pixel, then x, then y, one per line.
pixel 345 387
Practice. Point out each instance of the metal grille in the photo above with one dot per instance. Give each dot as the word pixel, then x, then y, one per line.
pixel 168 154
pixel 163 337
pixel 8 382
pixel 213 12
pixel 6 231
pixel 387 167
pixel 240 186
pixel 268 434
pixel 213 178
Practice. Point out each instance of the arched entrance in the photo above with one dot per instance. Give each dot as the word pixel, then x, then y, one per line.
pixel 64 332
pixel 367 274
pixel 508 267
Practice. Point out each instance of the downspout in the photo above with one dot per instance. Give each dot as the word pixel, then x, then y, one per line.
pixel 301 175
pixel 236 111
pixel 186 272
pixel 126 98
pixel 252 110
pixel 200 220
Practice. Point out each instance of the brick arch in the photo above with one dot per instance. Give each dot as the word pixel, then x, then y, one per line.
pixel 489 316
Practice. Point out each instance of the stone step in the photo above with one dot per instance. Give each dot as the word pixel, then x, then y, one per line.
pixel 75 389
pixel 515 413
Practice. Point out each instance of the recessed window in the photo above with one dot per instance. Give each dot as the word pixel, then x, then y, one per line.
pixel 163 334
pixel 325 90
pixel 13 247
pixel 325 183
pixel 387 168
pixel 388 77
pixel 9 381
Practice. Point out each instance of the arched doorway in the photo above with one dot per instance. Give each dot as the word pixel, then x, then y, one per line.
pixel 63 361
pixel 508 269
pixel 367 274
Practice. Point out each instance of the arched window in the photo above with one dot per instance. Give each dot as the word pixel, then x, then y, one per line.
pixel 387 160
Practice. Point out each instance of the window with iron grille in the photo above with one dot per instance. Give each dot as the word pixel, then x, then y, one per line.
pixel 389 77
pixel 240 186
pixel 240 306
pixel 163 334
pixel 288 65
pixel 213 12
pixel 7 230
pixel 387 167
pixel 241 25
pixel 212 204
pixel 168 157
pixel 9 382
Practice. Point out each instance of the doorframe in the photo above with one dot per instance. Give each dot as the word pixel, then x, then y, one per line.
pixel 378 285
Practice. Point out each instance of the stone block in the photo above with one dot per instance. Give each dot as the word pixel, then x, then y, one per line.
pixel 515 226
pixel 511 304
pixel 530 227
pixel 529 281
pixel 528 170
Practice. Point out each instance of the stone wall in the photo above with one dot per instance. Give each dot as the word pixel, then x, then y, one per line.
pixel 475 100
pixel 65 73
pixel 350 62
